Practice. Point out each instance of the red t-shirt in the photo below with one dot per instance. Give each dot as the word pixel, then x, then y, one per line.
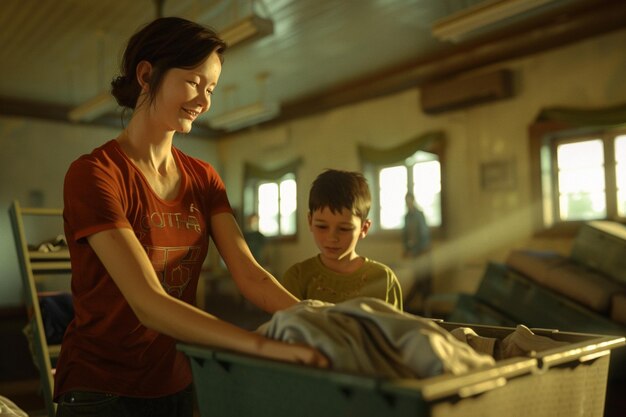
pixel 105 347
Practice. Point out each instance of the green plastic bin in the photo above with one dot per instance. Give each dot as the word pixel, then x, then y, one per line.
pixel 569 381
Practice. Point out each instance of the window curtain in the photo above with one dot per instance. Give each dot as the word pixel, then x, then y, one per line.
pixel 255 172
pixel 576 117
pixel 432 142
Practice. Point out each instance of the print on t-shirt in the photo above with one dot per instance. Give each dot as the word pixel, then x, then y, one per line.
pixel 174 266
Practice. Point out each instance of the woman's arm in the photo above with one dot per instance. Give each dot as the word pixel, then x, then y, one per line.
pixel 254 282
pixel 129 266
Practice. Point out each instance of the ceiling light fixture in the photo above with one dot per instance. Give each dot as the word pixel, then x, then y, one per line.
pixel 247 29
pixel 247 25
pixel 460 24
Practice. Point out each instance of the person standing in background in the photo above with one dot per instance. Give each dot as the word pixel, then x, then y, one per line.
pixel 416 249
pixel 416 234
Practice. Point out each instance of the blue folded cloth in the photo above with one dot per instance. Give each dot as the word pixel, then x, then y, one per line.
pixel 56 313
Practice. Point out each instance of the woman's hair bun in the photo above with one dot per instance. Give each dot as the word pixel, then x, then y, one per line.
pixel 125 91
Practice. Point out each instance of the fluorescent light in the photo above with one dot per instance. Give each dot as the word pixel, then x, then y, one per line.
pixel 459 24
pixel 93 108
pixel 245 116
pixel 249 28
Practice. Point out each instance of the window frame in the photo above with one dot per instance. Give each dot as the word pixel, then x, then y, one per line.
pixel 410 183
pixel 431 142
pixel 255 177
pixel 549 135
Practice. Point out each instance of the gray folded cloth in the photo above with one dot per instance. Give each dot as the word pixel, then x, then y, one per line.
pixel 486 345
pixel 521 342
pixel 368 336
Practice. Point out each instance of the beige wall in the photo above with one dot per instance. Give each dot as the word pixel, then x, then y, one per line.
pixel 481 224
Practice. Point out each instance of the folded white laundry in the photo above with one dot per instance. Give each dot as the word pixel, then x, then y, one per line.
pixel 521 342
pixel 480 344
pixel 368 336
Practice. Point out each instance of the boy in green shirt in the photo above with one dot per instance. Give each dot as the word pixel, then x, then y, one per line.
pixel 339 202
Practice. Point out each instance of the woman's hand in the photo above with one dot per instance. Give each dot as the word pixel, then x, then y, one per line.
pixel 292 352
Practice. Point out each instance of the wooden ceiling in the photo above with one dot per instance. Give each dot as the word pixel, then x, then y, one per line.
pixel 57 54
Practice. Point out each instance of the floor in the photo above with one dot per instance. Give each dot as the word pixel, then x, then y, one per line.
pixel 235 310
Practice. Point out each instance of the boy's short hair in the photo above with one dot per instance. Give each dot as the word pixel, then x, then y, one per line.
pixel 338 189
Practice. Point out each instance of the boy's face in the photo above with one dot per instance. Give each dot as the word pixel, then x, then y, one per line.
pixel 336 234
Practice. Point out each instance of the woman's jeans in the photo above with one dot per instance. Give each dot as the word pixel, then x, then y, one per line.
pixel 98 404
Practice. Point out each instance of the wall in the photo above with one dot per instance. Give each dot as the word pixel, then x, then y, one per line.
pixel 481 224
pixel 34 156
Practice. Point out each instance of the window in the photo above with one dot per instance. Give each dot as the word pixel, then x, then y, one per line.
pixel 272 195
pixel 578 160
pixel 276 207
pixel 414 166
pixel 420 173
pixel 583 177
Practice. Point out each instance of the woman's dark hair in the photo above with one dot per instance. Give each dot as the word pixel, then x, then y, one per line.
pixel 336 190
pixel 167 42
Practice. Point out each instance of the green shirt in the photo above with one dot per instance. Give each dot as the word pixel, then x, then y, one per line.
pixel 310 279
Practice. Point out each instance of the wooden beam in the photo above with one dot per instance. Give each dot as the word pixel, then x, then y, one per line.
pixel 32 109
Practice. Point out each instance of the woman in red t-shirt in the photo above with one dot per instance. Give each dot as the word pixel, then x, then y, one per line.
pixel 138 216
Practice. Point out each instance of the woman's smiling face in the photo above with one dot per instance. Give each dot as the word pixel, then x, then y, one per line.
pixel 185 94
